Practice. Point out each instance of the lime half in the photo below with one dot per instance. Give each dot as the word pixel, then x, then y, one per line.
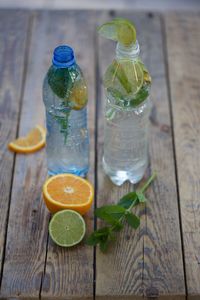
pixel 67 228
pixel 121 30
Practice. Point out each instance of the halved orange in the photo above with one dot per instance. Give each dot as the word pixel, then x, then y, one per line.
pixel 68 191
pixel 34 141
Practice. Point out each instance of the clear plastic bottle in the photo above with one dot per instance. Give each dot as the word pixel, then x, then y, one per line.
pixel 126 116
pixel 65 99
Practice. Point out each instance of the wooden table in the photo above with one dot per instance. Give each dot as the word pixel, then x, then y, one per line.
pixel 161 260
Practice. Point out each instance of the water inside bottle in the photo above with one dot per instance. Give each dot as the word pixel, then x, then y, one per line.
pixel 125 142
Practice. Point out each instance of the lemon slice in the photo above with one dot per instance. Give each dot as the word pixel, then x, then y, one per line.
pixel 35 140
pixel 121 30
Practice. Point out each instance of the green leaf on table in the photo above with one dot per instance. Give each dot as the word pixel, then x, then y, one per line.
pixel 93 240
pixel 98 236
pixel 132 220
pixel 127 200
pixel 104 245
pixel 117 227
pixel 141 197
pixel 115 216
pixel 110 213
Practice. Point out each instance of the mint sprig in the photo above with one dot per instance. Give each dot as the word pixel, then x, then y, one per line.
pixel 116 215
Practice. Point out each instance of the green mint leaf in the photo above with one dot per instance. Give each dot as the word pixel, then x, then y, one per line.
pixel 140 97
pixel 60 81
pixel 118 226
pixel 104 245
pixel 117 213
pixel 97 236
pixel 132 220
pixel 127 200
pixel 93 240
pixel 110 213
pixel 104 231
pixel 141 197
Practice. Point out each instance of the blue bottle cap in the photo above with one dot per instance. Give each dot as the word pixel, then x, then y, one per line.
pixel 63 56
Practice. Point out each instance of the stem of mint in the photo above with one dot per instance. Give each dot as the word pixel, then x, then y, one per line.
pixel 145 186
pixel 142 190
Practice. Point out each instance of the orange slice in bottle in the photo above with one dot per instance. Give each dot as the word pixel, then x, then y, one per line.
pixel 34 141
pixel 68 191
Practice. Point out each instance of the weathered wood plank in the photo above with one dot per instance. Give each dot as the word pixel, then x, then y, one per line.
pixel 13 34
pixel 183 44
pixel 27 228
pixel 69 272
pixel 147 262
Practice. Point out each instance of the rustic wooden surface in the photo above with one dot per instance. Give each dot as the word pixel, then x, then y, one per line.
pixel 160 260
pixel 13 34
pixel 183 41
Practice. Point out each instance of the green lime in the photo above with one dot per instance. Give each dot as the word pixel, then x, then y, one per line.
pixel 121 30
pixel 127 76
pixel 134 74
pixel 67 228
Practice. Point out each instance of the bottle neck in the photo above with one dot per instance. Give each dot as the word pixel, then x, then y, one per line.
pixel 131 53
pixel 63 57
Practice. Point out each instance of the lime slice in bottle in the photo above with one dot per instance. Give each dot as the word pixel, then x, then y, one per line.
pixel 124 74
pixel 134 74
pixel 67 228
pixel 121 30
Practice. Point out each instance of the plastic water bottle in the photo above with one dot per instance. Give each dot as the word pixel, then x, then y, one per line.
pixel 65 98
pixel 127 83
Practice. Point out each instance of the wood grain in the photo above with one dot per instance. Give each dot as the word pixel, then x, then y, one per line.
pixel 28 219
pixel 13 34
pixel 69 272
pixel 183 44
pixel 147 262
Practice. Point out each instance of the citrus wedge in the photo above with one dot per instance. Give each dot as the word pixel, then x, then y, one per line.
pixel 34 141
pixel 119 29
pixel 125 75
pixel 68 191
pixel 67 228
pixel 79 95
pixel 134 74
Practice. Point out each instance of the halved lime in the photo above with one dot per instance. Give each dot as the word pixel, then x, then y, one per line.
pixel 67 228
pixel 121 30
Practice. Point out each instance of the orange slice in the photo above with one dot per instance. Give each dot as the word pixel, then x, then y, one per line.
pixel 67 191
pixel 34 141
